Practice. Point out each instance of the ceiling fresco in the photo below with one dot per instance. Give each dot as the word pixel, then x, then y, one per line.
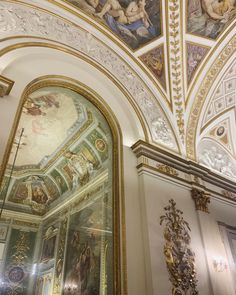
pixel 209 18
pixel 167 59
pixel 66 143
pixel 134 22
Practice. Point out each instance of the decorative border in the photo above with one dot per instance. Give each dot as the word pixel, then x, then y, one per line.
pixel 6 85
pixel 174 39
pixel 203 91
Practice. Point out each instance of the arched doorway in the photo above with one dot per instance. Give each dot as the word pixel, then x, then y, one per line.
pixel 65 182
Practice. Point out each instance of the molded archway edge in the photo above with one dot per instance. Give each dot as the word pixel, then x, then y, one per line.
pixel 202 94
pixel 119 247
pixel 58 29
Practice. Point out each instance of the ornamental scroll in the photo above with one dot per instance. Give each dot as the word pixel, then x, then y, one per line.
pixel 180 259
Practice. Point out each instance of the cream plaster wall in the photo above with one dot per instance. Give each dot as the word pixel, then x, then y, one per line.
pixel 206 239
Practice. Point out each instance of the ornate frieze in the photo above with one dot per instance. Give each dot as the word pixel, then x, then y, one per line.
pixel 201 199
pixel 175 60
pixel 167 169
pixel 17 19
pixel 229 195
pixel 180 259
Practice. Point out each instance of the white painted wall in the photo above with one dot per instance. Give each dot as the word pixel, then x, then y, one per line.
pixel 206 239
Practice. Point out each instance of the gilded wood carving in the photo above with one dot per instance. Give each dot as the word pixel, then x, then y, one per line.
pixel 180 259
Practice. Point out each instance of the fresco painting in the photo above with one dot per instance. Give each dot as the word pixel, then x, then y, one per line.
pixel 154 60
pixel 18 262
pixel 85 249
pixel 48 249
pixel 136 22
pixel 36 191
pixel 100 144
pixel 60 181
pixel 195 54
pixel 208 18
pixel 47 118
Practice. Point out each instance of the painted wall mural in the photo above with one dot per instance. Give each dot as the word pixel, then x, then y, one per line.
pixel 208 18
pixel 66 143
pixel 86 264
pixel 135 22
pixel 195 54
pixel 18 263
pixel 154 60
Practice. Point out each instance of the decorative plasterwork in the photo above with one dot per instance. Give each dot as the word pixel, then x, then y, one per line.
pixel 176 63
pixel 150 159
pixel 224 97
pixel 5 86
pixel 215 157
pixel 221 133
pixel 202 93
pixel 201 199
pixel 21 20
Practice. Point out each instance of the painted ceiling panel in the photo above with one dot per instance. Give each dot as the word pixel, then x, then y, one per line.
pixel 70 146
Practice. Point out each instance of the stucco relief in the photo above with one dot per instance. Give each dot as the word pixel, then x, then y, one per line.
pixel 16 19
pixel 211 155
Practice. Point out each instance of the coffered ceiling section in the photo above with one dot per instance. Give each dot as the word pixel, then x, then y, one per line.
pixel 165 55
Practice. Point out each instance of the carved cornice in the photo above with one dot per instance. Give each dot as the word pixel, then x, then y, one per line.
pixel 201 199
pixel 189 173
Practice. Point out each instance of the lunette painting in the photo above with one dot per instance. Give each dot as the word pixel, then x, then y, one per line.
pixel 208 18
pixel 136 22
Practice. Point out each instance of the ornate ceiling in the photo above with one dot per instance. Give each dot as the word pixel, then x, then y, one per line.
pixel 174 61
pixel 63 141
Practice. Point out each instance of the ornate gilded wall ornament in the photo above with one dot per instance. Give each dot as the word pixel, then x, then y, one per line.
pixel 180 259
pixel 167 169
pixel 201 200
pixel 229 195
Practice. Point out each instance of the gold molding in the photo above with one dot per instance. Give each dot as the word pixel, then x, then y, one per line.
pixel 90 61
pixel 6 85
pixel 94 64
pixel 201 200
pixel 179 257
pixel 110 36
pixel 119 229
pixel 202 93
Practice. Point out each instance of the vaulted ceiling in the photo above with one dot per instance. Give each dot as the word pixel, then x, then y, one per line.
pixel 174 60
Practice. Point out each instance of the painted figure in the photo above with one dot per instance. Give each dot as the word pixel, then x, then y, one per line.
pixel 210 17
pixel 218 9
pixel 135 21
pixel 80 166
